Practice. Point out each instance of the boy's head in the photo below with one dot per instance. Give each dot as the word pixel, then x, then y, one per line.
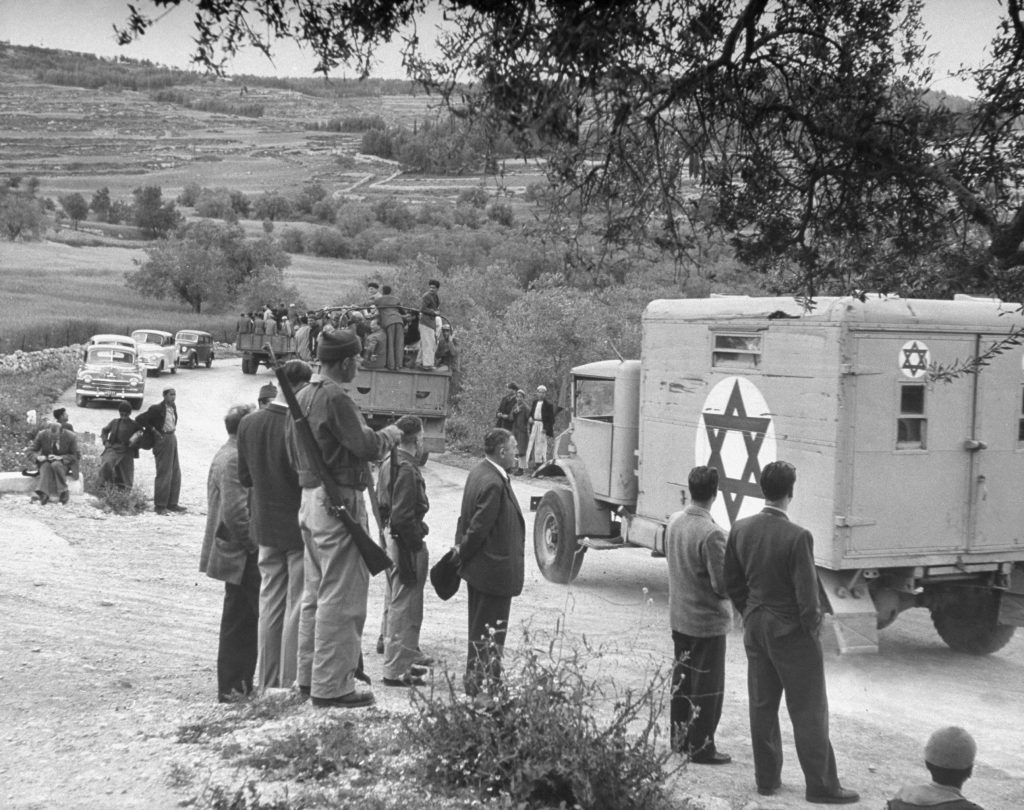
pixel 949 756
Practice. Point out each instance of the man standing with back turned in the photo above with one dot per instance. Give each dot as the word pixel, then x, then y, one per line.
pixel 336 578
pixel 264 467
pixel 770 577
pixel 700 617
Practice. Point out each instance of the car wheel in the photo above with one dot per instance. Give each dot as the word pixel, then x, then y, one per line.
pixel 135 402
pixel 209 361
pixel 192 362
pixel 81 401
pixel 559 554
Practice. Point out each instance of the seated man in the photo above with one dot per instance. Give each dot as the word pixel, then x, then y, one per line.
pixel 56 452
pixel 949 757
pixel 376 346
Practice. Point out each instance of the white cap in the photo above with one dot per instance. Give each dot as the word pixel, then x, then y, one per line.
pixel 542 389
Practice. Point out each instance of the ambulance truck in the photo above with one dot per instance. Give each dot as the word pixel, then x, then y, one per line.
pixel 912 487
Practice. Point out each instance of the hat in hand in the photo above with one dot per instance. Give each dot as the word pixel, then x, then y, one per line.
pixel 444 575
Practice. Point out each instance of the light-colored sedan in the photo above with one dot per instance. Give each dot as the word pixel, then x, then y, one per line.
pixel 156 351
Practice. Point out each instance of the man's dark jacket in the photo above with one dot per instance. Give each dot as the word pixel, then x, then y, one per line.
pixel 547 415
pixel 264 466
pixel 492 537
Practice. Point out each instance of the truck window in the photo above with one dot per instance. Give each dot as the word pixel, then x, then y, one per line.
pixel 595 399
pixel 736 351
pixel 911 426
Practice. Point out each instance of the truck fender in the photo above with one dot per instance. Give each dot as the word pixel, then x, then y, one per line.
pixel 593 519
pixel 855 620
pixel 1011 605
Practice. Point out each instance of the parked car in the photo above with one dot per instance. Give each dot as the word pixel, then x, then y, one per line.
pixel 192 347
pixel 156 351
pixel 110 371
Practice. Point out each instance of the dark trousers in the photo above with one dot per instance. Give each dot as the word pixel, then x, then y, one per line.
pixel 395 345
pixel 698 686
pixel 239 632
pixel 790 663
pixel 167 485
pixel 488 625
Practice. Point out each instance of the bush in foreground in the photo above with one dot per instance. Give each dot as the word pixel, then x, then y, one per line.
pixel 546 736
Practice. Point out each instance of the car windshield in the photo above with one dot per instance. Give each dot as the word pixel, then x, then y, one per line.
pixel 188 337
pixel 110 354
pixel 148 337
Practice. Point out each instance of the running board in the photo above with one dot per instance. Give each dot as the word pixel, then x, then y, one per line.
pixel 601 543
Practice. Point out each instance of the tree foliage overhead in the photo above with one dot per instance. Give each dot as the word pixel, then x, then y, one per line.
pixel 801 128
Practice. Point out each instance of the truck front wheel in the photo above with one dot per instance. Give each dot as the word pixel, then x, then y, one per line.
pixel 559 554
pixel 968 622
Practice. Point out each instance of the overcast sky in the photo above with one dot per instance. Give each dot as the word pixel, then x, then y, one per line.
pixel 960 32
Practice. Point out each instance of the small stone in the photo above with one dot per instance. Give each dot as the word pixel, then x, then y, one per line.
pixel 37 649
pixel 106 603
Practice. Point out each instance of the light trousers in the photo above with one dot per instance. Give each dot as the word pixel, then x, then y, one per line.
pixel 282 576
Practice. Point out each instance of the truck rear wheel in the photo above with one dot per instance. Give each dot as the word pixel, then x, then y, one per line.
pixel 558 552
pixel 968 622
pixel 249 365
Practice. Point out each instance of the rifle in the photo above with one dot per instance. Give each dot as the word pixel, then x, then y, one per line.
pixel 373 555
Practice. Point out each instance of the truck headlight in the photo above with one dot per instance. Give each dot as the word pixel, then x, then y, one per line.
pixel 87 379
pixel 134 380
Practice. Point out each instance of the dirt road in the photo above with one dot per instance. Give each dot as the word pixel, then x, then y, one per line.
pixel 109 639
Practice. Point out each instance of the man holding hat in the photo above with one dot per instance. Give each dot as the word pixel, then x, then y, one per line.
pixel 949 757
pixel 267 394
pixel 336 578
pixel 163 419
pixel 265 469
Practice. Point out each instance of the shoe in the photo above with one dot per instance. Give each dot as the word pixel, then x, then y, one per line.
pixel 303 693
pixel 405 681
pixel 768 790
pixel 350 701
pixel 711 758
pixel 176 508
pixel 160 510
pixel 64 497
pixel 837 796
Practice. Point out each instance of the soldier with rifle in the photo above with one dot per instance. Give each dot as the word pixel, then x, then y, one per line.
pixel 330 445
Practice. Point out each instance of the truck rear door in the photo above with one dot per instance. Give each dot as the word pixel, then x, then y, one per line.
pixel 936 467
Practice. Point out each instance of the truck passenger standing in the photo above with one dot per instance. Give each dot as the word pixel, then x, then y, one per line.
pixel 393 326
pixel 700 617
pixel 430 307
pixel 336 577
pixel 771 579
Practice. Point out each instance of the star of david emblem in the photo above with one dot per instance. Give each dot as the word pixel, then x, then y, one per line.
pixel 918 366
pixel 718 426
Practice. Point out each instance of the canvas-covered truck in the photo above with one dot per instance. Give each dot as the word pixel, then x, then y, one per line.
pixel 911 487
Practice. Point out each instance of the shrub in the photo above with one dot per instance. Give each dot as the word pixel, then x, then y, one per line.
pixel 290 239
pixel 502 214
pixel 543 735
pixel 121 501
pixel 328 242
pixel 476 197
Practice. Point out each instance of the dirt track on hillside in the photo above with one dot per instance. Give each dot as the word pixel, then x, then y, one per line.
pixel 109 640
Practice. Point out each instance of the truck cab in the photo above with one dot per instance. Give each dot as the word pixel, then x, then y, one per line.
pixel 908 485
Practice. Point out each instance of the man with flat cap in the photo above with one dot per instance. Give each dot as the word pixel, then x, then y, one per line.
pixel 949 758
pixel 275 495
pixel 163 419
pixel 266 396
pixel 336 578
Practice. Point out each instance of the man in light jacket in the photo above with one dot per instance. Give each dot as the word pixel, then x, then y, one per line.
pixel 229 554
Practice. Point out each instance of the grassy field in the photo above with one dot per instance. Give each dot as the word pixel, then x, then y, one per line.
pixel 55 294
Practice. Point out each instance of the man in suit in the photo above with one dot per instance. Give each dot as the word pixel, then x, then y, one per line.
pixel 489 551
pixel 264 468
pixel 771 579
pixel 542 428
pixel 163 419
pixel 55 450
pixel 229 554
pixel 700 619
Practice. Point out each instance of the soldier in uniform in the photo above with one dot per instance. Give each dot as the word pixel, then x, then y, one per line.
pixel 336 578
